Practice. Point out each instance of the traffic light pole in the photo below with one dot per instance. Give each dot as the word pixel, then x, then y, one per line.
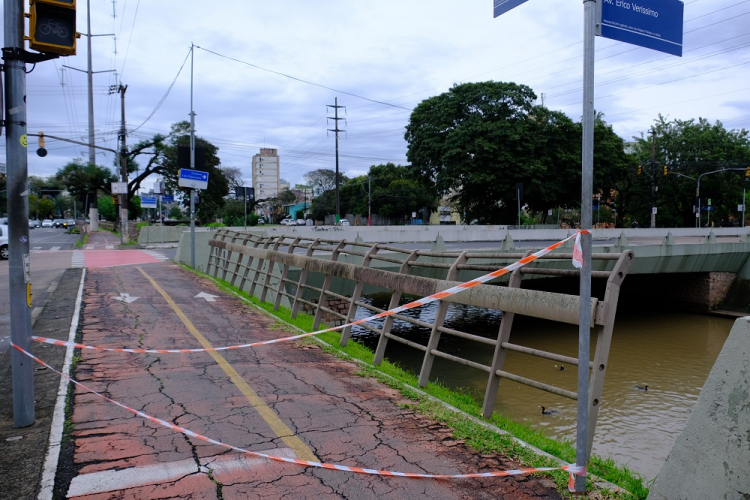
pixel 18 212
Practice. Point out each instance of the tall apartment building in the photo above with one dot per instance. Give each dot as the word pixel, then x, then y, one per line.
pixel 266 173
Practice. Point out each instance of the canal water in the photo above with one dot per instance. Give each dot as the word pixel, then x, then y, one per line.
pixel 670 352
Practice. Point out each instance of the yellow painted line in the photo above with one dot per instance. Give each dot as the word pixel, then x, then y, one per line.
pixel 278 427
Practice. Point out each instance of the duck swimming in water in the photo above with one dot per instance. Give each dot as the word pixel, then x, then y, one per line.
pixel 641 388
pixel 547 412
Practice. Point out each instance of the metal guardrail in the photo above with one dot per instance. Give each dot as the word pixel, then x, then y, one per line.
pixel 263 265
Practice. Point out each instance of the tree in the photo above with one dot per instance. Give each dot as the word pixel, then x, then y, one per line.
pixel 477 141
pixel 81 179
pixel 689 148
pixel 164 163
pixel 323 179
pixel 287 197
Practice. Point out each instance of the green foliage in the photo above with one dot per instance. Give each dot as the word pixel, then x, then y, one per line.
pixel 478 140
pixel 165 164
pixel 107 208
pixel 175 213
pixel 688 148
pixel 81 178
pixel 45 208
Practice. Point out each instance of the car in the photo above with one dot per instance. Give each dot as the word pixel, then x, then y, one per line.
pixel 47 223
pixel 344 222
pixel 301 222
pixel 4 252
pixel 261 221
pixel 287 222
pixel 69 223
pixel 58 223
pixel 34 223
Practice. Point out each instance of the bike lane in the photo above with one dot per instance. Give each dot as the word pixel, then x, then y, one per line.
pixel 284 399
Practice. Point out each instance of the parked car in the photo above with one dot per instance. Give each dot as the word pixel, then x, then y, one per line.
pixel 34 223
pixel 261 220
pixel 47 223
pixel 58 223
pixel 4 241
pixel 301 222
pixel 344 222
pixel 287 222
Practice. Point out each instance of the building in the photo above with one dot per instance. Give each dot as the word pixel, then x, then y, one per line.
pixel 266 173
pixel 266 178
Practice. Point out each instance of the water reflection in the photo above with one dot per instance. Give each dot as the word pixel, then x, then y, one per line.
pixel 671 352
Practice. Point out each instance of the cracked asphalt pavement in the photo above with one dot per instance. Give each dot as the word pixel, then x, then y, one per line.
pixel 286 399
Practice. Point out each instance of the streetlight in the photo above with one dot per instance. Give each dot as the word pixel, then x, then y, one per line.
pixel 698 189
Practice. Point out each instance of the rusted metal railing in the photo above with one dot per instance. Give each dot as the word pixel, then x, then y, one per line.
pixel 273 260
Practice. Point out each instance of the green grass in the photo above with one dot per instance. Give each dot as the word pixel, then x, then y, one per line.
pixel 215 224
pixel 81 243
pixel 466 429
pixel 142 224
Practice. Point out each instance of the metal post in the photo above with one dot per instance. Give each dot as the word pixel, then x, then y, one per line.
pixel 123 167
pixel 18 211
pixel 653 177
pixel 94 210
pixel 244 197
pixel 369 200
pixel 587 188
pixel 518 197
pixel 743 207
pixel 192 162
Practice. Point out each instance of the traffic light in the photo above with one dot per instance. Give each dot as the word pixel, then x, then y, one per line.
pixel 41 151
pixel 639 170
pixel 52 26
pixel 665 170
pixel 747 172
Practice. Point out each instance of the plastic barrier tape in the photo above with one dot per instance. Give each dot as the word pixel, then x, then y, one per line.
pixel 573 469
pixel 411 305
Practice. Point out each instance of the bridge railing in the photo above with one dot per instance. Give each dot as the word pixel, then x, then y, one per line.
pixel 281 266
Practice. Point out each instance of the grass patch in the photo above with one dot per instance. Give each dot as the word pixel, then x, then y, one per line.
pixel 215 224
pixel 80 243
pixel 142 224
pixel 475 435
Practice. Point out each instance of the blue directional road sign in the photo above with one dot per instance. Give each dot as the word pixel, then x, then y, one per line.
pixel 148 201
pixel 654 24
pixel 195 179
pixel 503 6
pixel 167 198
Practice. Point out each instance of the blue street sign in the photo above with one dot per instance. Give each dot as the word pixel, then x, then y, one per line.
pixel 148 201
pixel 167 198
pixel 654 24
pixel 503 6
pixel 195 179
pixel 708 209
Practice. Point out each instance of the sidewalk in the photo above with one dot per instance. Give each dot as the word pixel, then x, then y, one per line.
pixel 285 399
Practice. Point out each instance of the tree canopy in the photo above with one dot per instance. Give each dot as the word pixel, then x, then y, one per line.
pixel 689 149
pixel 477 141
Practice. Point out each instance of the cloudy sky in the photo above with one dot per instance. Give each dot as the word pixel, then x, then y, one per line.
pixel 394 52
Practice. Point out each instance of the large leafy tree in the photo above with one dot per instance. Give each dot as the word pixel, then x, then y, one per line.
pixel 164 163
pixel 81 179
pixel 393 191
pixel 478 141
pixel 323 180
pixel 690 149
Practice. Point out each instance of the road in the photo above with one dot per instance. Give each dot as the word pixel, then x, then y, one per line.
pixel 51 255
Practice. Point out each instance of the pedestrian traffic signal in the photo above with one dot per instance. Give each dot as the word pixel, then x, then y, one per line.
pixel 665 170
pixel 639 170
pixel 52 26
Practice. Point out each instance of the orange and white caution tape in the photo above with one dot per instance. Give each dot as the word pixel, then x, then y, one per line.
pixel 305 463
pixel 411 305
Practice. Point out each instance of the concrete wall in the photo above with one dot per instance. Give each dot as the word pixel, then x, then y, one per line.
pixel 711 458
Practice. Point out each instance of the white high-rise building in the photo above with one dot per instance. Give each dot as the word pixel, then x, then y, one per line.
pixel 266 173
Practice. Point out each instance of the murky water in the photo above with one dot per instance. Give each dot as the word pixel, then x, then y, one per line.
pixel 671 352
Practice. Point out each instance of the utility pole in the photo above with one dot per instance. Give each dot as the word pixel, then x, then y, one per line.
pixel 94 210
pixel 124 237
pixel 653 178
pixel 19 274
pixel 336 130
pixel 192 161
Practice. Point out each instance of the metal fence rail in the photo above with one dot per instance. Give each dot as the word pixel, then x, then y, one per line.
pixel 266 264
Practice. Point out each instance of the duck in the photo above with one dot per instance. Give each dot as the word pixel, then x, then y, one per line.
pixel 560 367
pixel 641 388
pixel 547 412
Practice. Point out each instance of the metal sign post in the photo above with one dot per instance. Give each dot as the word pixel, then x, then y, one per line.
pixel 18 212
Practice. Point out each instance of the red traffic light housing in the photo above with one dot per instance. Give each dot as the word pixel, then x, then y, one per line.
pixel 52 26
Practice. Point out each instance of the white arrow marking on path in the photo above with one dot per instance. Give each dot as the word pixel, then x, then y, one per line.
pixel 207 296
pixel 125 297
